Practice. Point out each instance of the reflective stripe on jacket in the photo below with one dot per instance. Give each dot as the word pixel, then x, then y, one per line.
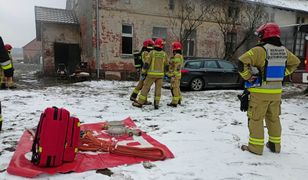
pixel 157 61
pixel 276 58
pixel 256 57
pixel 175 65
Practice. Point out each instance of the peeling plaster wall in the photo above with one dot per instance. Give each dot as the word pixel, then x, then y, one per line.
pixel 60 33
pixel 143 16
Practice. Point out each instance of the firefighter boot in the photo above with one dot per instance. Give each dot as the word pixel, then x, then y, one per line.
pixel 133 97
pixel 148 103
pixel 172 105
pixel 155 106
pixel 271 147
pixel 3 86
pixel 136 104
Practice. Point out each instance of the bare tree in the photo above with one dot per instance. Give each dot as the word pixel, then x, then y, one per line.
pixel 188 16
pixel 233 17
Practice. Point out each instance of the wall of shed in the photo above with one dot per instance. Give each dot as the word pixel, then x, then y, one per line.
pixel 60 33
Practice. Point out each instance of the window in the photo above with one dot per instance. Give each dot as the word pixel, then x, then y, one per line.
pixel 226 65
pixel 126 1
pixel 300 20
pixel 159 32
pixel 300 44
pixel 233 12
pixel 193 64
pixel 189 44
pixel 171 4
pixel 210 64
pixel 127 39
pixel 272 17
pixel 230 42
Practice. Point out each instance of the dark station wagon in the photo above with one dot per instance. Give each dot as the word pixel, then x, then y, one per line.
pixel 198 74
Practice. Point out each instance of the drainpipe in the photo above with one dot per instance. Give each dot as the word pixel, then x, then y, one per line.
pixel 97 39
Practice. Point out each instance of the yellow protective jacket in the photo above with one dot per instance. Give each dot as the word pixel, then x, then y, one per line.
pixel 156 64
pixel 5 61
pixel 175 65
pixel 256 57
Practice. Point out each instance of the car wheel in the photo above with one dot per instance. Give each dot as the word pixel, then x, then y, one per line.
pixel 197 84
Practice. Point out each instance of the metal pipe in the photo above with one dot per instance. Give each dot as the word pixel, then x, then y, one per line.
pixel 97 39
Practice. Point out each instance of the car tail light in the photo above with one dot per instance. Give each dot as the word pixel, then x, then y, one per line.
pixel 183 71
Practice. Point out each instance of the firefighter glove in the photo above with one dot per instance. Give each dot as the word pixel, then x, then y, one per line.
pixel 244 100
pixel 143 76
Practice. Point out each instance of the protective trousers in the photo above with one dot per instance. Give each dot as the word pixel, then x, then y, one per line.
pixel 146 88
pixel 258 110
pixel 1 76
pixel 175 90
pixel 138 88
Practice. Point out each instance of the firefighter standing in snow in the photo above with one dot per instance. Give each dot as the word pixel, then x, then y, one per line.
pixel 9 80
pixel 175 65
pixel 5 63
pixel 147 47
pixel 154 69
pixel 274 62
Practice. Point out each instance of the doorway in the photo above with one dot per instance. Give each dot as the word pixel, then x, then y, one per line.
pixel 67 54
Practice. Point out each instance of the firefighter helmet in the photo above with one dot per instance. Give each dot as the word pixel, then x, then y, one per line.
pixel 8 47
pixel 176 46
pixel 148 42
pixel 268 30
pixel 159 42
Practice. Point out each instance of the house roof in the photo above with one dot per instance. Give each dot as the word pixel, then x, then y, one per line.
pixel 297 5
pixel 53 15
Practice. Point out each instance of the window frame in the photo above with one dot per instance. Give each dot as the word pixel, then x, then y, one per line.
pixel 187 44
pixel 127 35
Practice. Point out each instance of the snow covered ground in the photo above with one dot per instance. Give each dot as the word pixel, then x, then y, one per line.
pixel 204 133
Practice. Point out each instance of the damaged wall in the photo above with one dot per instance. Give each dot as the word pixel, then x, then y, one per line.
pixel 60 33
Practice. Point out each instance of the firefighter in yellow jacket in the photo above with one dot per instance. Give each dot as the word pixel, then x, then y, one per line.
pixel 5 62
pixel 175 65
pixel 154 68
pixel 9 80
pixel 147 47
pixel 273 61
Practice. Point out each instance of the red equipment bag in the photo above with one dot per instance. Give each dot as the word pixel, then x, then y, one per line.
pixel 72 139
pixel 52 134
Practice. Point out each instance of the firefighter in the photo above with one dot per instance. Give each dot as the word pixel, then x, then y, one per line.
pixel 154 68
pixel 5 62
pixel 175 65
pixel 2 83
pixel 273 61
pixel 147 47
pixel 9 80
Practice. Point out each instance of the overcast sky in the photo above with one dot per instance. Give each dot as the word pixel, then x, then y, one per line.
pixel 17 22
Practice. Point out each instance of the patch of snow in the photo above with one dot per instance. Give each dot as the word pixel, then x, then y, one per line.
pixel 204 133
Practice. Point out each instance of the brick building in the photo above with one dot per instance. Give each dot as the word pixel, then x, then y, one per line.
pixel 32 52
pixel 123 25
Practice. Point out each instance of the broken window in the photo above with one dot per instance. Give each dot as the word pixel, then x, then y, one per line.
pixel 127 39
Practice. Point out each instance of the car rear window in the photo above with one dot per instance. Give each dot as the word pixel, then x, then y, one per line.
pixel 226 65
pixel 210 64
pixel 193 64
